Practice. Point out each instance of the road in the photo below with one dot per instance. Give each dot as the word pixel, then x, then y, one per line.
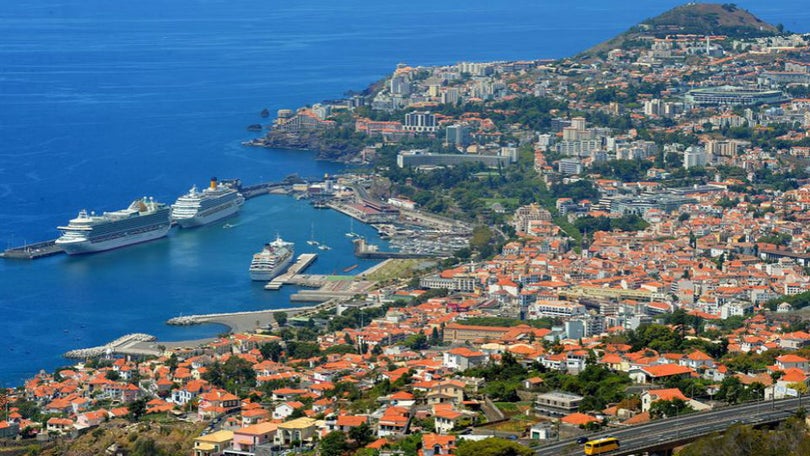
pixel 667 433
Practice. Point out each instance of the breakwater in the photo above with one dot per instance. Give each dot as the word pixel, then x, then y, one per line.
pixel 185 320
pixel 110 348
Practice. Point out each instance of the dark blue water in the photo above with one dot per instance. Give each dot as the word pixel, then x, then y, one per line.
pixel 102 102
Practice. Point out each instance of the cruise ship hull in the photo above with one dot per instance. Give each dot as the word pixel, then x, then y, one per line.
pixel 79 247
pixel 265 275
pixel 207 217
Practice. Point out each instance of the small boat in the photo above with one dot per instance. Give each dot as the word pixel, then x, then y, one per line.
pixel 312 240
pixel 324 247
pixel 351 268
pixel 351 232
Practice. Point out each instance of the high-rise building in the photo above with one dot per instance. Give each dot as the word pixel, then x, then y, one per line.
pixel 653 107
pixel 450 95
pixel 420 122
pixel 558 123
pixel 694 156
pixel 569 166
pixel 400 85
pixel 458 135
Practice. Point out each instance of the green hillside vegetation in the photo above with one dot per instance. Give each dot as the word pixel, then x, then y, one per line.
pixel 167 438
pixel 790 439
pixel 692 19
pixel 709 18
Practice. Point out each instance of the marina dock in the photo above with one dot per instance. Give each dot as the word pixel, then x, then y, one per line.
pixel 303 261
pixel 370 251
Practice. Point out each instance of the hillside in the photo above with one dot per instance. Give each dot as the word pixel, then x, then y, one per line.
pixel 708 18
pixel 693 19
pixel 145 438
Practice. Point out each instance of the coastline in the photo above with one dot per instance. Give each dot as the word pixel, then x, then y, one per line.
pixel 236 322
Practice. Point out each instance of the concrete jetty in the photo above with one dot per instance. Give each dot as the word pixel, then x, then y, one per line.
pixel 236 321
pixel 33 251
pixel 303 261
pixel 117 346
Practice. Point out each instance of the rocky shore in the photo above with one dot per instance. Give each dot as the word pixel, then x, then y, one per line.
pixel 326 149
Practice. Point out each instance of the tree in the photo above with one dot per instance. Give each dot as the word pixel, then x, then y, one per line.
pixel 733 391
pixel 492 447
pixel 137 409
pixel 418 341
pixel 334 444
pixel 172 362
pixel 668 409
pixel 435 338
pixel 271 350
pixel 236 373
pixel 281 318
pixel 145 446
pixel 362 434
pixel 112 375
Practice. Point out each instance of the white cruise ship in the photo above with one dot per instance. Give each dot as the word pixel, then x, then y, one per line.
pixel 197 208
pixel 144 220
pixel 272 260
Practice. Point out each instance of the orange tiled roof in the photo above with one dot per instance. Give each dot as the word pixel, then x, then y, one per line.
pixel 578 419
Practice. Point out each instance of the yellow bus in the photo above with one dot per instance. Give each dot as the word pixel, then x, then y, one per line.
pixel 602 445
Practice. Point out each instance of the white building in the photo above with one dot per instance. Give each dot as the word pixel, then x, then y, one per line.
pixel 694 156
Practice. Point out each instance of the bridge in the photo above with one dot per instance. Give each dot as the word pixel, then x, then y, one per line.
pixel 662 436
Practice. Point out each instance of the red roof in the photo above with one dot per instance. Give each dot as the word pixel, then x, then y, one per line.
pixel 578 419
pixel 351 420
pixel 666 370
pixel 667 394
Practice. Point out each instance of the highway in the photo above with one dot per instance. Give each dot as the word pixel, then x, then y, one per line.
pixel 667 433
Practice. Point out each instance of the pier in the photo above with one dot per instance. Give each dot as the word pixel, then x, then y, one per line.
pixel 33 251
pixel 303 261
pixel 334 287
pixel 236 321
pixel 253 191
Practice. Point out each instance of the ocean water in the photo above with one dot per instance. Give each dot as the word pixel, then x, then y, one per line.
pixel 103 102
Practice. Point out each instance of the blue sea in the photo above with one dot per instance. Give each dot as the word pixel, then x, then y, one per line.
pixel 102 102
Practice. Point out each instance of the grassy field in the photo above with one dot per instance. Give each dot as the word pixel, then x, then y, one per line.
pixel 394 269
pixel 518 420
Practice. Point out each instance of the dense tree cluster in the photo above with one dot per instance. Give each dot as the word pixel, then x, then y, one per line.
pixel 790 439
pixel 236 375
pixel 629 222
pixel 502 380
pixel 796 301
pixel 492 447
pixel 598 385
